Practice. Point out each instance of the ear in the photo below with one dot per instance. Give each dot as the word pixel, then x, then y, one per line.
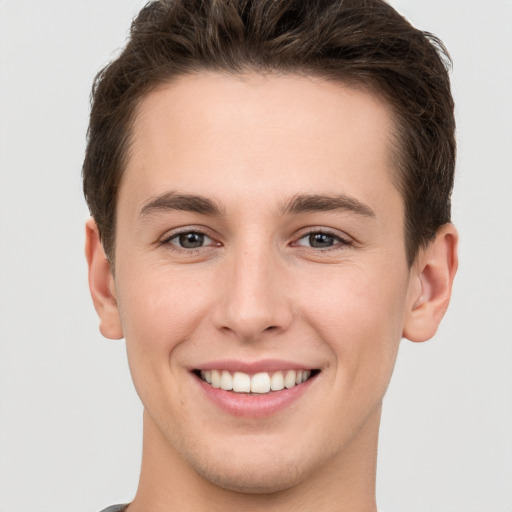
pixel 101 283
pixel 430 285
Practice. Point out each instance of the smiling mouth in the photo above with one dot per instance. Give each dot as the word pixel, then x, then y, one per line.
pixel 258 383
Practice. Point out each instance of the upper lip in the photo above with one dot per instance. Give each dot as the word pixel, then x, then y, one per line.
pixel 252 367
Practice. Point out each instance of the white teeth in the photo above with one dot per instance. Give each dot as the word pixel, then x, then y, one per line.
pixel 289 380
pixel 241 382
pixel 215 378
pixel 277 381
pixel 260 383
pixel 207 376
pixel 226 381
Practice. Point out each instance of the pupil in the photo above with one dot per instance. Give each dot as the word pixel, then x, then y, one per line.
pixel 191 240
pixel 321 240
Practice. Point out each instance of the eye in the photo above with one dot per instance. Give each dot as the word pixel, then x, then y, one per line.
pixel 321 240
pixel 190 240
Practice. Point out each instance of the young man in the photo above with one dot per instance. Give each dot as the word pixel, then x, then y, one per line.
pixel 269 183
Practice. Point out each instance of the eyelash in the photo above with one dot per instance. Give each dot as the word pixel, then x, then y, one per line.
pixel 167 241
pixel 340 243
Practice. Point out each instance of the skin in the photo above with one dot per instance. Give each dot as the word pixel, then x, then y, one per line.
pixel 260 287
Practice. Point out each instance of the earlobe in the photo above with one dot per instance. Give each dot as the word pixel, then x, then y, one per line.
pixel 101 283
pixel 430 285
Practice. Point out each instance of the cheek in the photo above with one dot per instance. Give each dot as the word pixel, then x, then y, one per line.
pixel 159 312
pixel 161 306
pixel 360 315
pixel 357 316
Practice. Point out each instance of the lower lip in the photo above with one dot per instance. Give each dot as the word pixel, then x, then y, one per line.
pixel 254 405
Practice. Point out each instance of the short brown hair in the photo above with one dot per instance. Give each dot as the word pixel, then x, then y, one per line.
pixel 365 43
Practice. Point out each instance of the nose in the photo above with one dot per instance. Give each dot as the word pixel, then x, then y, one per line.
pixel 254 298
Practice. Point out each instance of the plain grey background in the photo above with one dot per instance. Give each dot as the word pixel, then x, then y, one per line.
pixel 70 422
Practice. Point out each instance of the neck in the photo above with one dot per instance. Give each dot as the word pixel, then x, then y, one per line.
pixel 344 483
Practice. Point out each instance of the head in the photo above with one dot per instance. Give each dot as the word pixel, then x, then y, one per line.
pixel 365 44
pixel 271 181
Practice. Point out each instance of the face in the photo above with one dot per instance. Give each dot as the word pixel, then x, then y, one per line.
pixel 260 244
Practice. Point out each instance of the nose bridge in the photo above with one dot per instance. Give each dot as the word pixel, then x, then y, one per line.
pixel 254 298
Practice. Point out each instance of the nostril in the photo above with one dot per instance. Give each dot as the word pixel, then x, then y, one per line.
pixel 270 328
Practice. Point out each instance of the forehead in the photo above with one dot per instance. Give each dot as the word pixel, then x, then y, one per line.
pixel 263 133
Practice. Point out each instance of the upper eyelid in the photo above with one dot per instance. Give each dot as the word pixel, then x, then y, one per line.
pixel 328 231
pixel 176 235
pixel 173 233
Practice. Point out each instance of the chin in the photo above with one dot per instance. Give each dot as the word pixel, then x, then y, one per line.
pixel 248 478
pixel 242 468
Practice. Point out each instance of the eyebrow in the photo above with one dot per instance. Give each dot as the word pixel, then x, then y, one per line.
pixel 304 203
pixel 301 203
pixel 181 202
